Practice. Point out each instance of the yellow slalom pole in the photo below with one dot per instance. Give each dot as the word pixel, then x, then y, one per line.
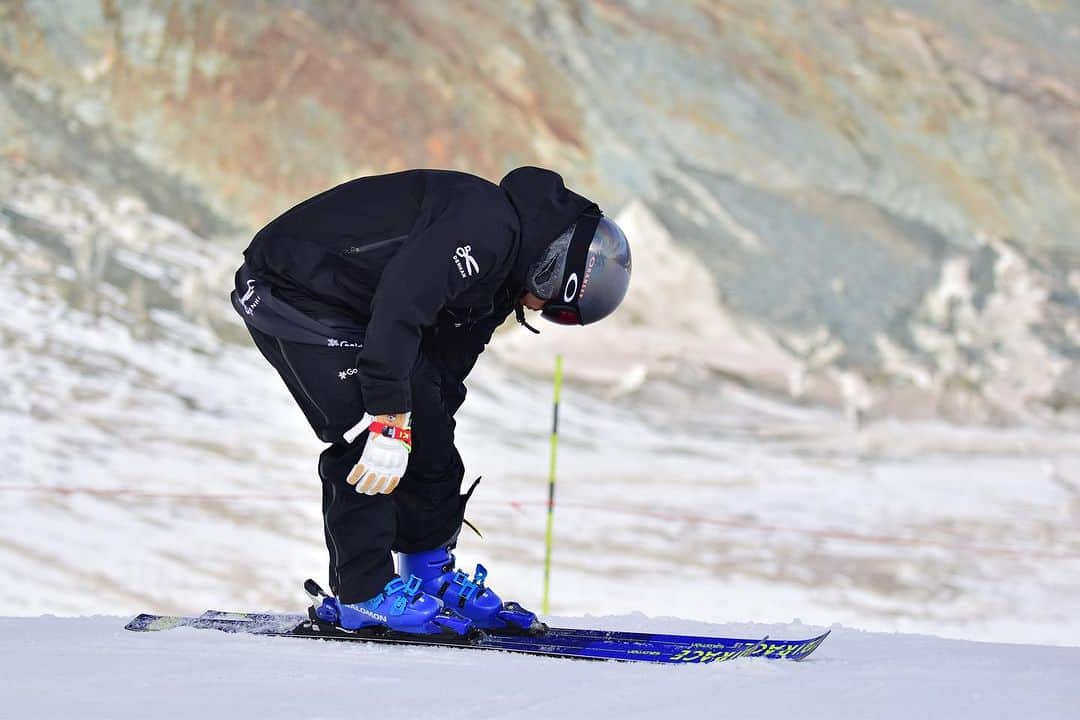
pixel 551 484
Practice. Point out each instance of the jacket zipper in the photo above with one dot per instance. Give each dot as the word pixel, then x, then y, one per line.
pixel 360 250
pixel 300 383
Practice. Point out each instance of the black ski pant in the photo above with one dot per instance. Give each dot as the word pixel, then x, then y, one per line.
pixel 424 511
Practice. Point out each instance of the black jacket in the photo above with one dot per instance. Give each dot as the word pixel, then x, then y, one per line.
pixel 423 257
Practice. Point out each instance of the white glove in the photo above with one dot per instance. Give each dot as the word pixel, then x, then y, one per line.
pixel 385 457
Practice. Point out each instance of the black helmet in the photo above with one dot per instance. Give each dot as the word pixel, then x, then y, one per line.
pixel 596 274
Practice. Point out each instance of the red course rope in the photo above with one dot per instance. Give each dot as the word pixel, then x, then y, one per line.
pixel 732 523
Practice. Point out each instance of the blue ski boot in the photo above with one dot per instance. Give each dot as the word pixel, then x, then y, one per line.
pixel 401 606
pixel 436 570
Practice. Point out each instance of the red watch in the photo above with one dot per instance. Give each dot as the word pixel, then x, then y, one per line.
pixel 392 431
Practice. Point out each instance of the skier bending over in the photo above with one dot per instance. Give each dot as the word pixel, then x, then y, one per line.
pixel 373 301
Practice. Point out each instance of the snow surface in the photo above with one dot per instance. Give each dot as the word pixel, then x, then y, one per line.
pixel 92 668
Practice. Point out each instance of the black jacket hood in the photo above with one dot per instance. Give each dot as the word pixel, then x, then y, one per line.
pixel 545 208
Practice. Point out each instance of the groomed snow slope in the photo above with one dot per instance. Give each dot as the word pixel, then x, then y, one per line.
pixel 92 668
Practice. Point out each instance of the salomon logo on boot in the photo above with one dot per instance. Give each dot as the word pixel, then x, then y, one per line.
pixel 401 606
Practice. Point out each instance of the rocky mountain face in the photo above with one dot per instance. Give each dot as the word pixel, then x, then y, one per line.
pixel 870 204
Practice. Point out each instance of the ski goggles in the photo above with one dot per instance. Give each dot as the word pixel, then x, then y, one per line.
pixel 562 314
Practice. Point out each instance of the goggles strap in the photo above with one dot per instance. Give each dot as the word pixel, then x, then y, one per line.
pixel 576 256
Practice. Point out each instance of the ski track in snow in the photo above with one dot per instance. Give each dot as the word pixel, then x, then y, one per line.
pixel 92 668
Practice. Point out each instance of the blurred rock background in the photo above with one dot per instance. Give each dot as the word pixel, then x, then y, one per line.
pixel 887 191
pixel 850 216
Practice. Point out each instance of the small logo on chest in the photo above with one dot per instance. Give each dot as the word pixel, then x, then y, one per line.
pixel 466 263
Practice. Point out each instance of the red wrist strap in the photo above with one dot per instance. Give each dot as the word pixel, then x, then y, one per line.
pixel 392 431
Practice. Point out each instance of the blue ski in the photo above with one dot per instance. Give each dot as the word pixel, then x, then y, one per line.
pixel 565 642
pixel 692 644
pixel 581 648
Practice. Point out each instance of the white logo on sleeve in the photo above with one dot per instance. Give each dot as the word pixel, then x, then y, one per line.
pixel 247 301
pixel 466 263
